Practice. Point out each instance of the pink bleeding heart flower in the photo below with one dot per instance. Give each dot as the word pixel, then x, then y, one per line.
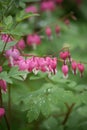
pixel 47 5
pixel 65 70
pixel 32 9
pixel 23 65
pixel 2 112
pixel 57 30
pixel 21 44
pixel 74 66
pixel 81 68
pixel 33 40
pixel 64 56
pixel 6 38
pixel 48 32
pixel 3 85
pixel 14 53
pixel 67 22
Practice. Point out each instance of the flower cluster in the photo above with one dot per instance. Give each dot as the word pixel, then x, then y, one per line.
pixel 33 40
pixel 33 64
pixel 48 31
pixel 74 65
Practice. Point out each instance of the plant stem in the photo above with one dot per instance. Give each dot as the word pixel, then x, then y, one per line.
pixel 0 98
pixel 5 117
pixel 68 113
pixel 7 123
pixel 9 103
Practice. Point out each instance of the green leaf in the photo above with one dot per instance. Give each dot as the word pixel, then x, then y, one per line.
pixel 10 44
pixel 4 76
pixel 1 45
pixel 45 107
pixel 23 15
pixel 33 113
pixel 40 75
pixel 83 111
pixel 15 73
pixel 8 21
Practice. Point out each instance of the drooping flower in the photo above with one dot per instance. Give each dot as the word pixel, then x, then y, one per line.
pixel 6 38
pixel 81 68
pixel 33 40
pixel 74 67
pixel 21 44
pixel 67 22
pixel 14 53
pixel 32 9
pixel 64 56
pixel 48 32
pixel 57 30
pixel 65 70
pixel 47 5
pixel 3 85
pixel 2 112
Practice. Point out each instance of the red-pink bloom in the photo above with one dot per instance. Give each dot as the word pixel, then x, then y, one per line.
pixel 32 9
pixel 47 6
pixel 65 70
pixel 2 112
pixel 74 66
pixel 6 38
pixel 81 68
pixel 33 39
pixel 51 64
pixel 14 53
pixel 23 65
pixel 67 21
pixel 21 44
pixel 57 29
pixel 3 85
pixel 64 55
pixel 48 32
pixel 32 64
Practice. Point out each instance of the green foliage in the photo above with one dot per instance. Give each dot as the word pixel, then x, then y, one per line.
pixel 23 15
pixel 14 73
pixel 42 99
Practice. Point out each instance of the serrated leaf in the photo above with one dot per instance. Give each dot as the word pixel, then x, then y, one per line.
pixel 4 76
pixel 83 111
pixel 10 44
pixel 45 108
pixel 8 21
pixel 23 15
pixel 15 73
pixel 33 113
pixel 1 46
pixel 40 75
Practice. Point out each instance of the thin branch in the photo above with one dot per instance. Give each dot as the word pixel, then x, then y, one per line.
pixel 68 113
pixel 5 117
